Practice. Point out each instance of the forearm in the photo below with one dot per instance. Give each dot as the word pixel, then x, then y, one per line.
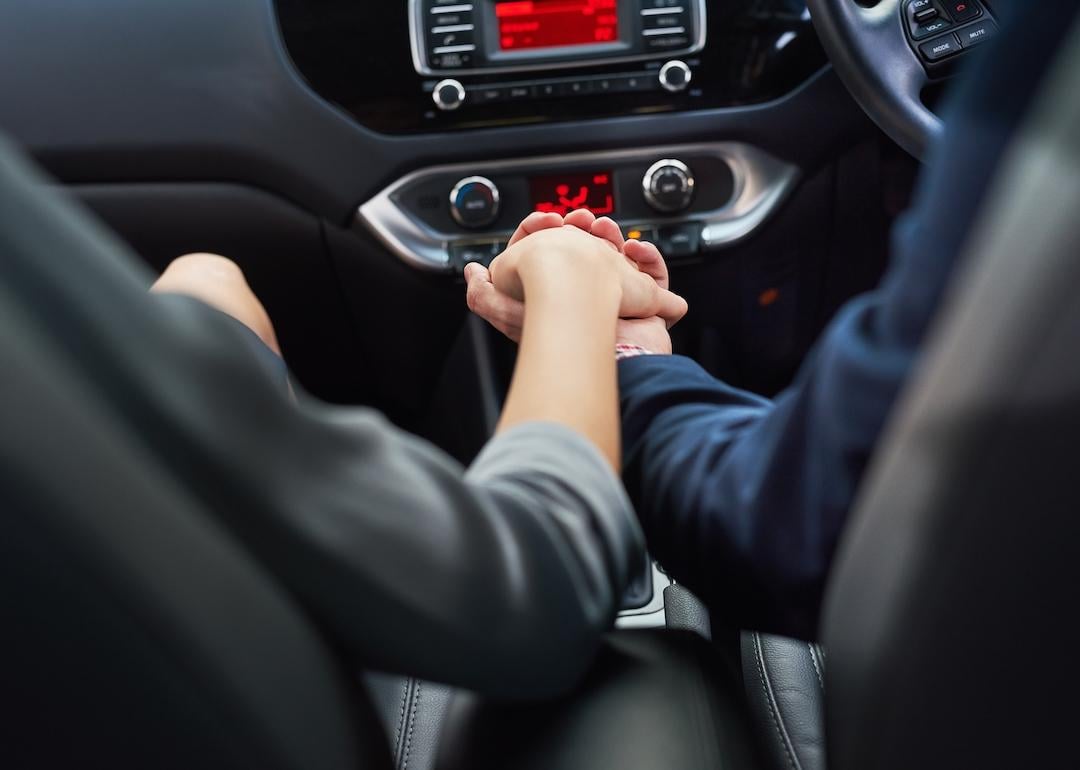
pixel 565 368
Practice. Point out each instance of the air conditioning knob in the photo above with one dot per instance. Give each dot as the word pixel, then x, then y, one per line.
pixel 668 186
pixel 474 202
pixel 675 76
pixel 448 94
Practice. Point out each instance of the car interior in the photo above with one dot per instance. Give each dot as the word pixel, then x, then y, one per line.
pixel 352 157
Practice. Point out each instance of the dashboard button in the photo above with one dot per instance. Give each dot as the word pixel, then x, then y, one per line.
pixel 474 202
pixel 926 14
pixel 675 76
pixel 939 48
pixel 964 10
pixel 974 34
pixel 604 86
pixel 575 88
pixel 518 93
pixel 448 94
pixel 680 241
pixel 451 19
pixel 666 39
pixel 660 22
pixel 451 61
pixel 631 83
pixel 932 27
pixel 642 233
pixel 462 254
pixel 668 186
pixel 487 94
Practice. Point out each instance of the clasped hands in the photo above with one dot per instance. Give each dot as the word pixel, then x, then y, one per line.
pixel 578 258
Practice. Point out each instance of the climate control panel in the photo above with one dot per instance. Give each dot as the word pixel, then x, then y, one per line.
pixel 690 199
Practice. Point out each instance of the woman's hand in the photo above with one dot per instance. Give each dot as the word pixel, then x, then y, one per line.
pixel 559 258
pixel 506 313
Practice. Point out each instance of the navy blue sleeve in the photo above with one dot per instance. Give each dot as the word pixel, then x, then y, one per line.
pixel 744 499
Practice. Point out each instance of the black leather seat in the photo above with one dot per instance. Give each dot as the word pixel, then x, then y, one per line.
pixel 785 689
pixel 412 714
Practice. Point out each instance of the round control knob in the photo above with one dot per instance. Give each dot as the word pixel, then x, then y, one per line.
pixel 668 186
pixel 448 94
pixel 675 76
pixel 474 202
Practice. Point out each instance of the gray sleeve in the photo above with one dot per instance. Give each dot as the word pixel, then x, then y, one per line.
pixel 500 579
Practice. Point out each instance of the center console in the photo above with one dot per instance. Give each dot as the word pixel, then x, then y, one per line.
pixel 688 199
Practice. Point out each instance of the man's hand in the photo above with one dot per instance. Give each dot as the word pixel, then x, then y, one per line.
pixel 507 314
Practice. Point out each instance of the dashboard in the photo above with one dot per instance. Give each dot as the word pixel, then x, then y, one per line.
pixel 428 65
pixel 456 65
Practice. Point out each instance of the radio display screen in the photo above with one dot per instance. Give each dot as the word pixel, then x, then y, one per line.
pixel 530 24
pixel 564 193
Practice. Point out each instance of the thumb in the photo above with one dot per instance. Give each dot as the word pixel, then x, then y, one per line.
pixel 672 307
pixel 474 271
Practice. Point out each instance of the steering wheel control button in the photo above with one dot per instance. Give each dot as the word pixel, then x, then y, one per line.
pixel 964 10
pixel 448 95
pixel 675 76
pixel 932 27
pixel 926 18
pixel 474 202
pixel 668 186
pixel 940 48
pixel 973 34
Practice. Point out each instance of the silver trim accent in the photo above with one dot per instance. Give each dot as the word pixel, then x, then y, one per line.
pixel 452 28
pixel 663 31
pixel 454 48
pixel 650 177
pixel 448 106
pixel 456 214
pixel 420 63
pixel 762 182
pixel 674 87
pixel 441 9
pixel 662 11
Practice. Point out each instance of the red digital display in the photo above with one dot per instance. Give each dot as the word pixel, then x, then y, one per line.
pixel 550 23
pixel 566 192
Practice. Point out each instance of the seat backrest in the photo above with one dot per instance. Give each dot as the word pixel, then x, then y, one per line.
pixel 950 614
pixel 135 631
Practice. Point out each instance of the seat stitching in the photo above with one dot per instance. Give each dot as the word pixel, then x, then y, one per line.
pixel 412 726
pixel 401 719
pixel 817 669
pixel 774 709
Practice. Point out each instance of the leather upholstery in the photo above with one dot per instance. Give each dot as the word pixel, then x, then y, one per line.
pixel 685 612
pixel 654 699
pixel 412 712
pixel 785 687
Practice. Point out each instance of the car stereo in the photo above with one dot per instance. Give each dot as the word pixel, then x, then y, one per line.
pixel 480 36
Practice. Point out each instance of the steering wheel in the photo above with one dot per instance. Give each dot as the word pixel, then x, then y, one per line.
pixel 871 54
